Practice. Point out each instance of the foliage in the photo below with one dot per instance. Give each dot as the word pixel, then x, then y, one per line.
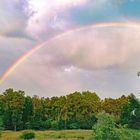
pixel 27 135
pixel 55 125
pixel 77 110
pixel 130 114
pixel 128 134
pixel 114 106
pixel 13 104
pixel 105 128
pixel 27 112
pixel 1 123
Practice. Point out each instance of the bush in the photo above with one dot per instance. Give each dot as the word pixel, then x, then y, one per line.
pixel 105 128
pixel 55 125
pixel 27 126
pixel 37 125
pixel 47 124
pixel 27 135
pixel 128 134
pixel 74 126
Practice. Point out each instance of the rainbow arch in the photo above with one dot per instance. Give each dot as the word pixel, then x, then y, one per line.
pixel 36 48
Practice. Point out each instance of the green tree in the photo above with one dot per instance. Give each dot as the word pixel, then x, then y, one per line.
pixel 1 112
pixel 37 118
pixel 80 110
pixel 27 112
pixel 13 109
pixel 114 106
pixel 130 114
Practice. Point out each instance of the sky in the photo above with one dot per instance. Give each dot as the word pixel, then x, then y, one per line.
pixel 53 48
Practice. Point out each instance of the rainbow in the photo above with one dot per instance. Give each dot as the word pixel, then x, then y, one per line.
pixel 36 48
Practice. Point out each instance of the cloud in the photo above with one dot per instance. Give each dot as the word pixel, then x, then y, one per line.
pixel 97 48
pixel 13 18
pixel 33 19
pixel 49 17
pixel 90 59
pixel 12 49
pixel 40 20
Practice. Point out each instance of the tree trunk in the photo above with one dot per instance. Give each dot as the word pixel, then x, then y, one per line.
pixel 15 128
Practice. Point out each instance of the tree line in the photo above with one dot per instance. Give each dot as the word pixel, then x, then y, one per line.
pixel 77 110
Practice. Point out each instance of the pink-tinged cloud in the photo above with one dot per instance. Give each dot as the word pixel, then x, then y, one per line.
pixel 90 59
pixel 11 50
pixel 47 16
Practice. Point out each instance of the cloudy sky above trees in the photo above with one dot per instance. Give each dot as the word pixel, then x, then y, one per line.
pixel 89 45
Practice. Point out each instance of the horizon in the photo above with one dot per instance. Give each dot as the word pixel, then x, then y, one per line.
pixel 67 94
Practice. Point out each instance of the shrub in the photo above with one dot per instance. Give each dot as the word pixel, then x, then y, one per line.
pixel 47 124
pixel 27 125
pixel 128 134
pixel 105 128
pixel 37 125
pixel 74 126
pixel 27 135
pixel 55 125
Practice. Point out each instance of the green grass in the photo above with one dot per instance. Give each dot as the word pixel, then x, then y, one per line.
pixel 51 135
pixel 126 134
pixel 129 134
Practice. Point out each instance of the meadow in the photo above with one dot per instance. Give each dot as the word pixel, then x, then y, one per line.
pixel 51 135
pixel 127 134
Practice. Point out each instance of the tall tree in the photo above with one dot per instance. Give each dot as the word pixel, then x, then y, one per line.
pixel 27 112
pixel 114 106
pixel 13 109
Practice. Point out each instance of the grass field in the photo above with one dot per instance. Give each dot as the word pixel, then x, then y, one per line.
pixel 51 135
pixel 68 135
